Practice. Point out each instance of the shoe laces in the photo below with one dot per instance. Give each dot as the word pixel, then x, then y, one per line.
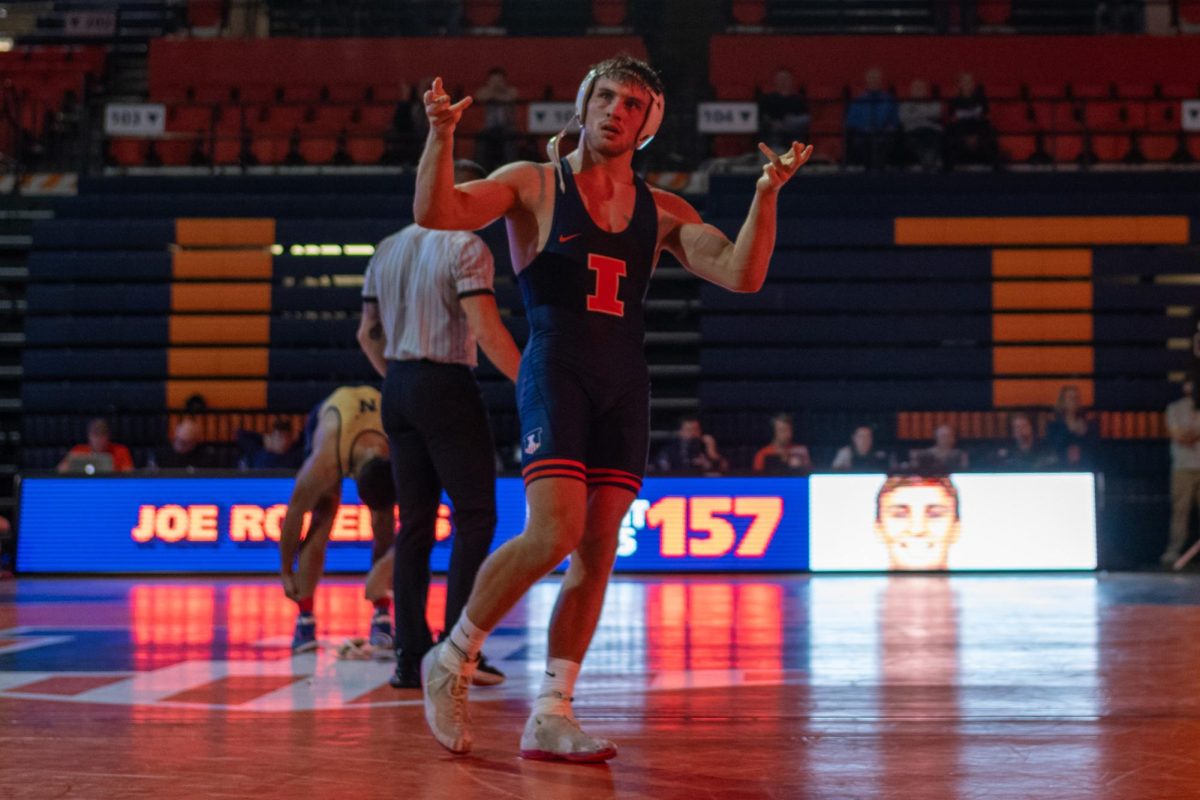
pixel 458 693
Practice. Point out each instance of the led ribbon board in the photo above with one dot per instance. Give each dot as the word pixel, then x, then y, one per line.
pixel 231 524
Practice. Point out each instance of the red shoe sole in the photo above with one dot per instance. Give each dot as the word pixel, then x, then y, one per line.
pixel 571 758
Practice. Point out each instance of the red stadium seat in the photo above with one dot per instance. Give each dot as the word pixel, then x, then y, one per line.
pixel 1162 116
pixel 375 117
pixel 204 13
pixel 128 152
pixel 731 145
pixel 1134 116
pixel 1110 148
pixel 483 13
pixel 365 150
pixel 610 13
pixel 994 12
pixel 1018 149
pixel 318 149
pixel 1099 115
pixel 284 119
pixel 749 12
pixel 827 116
pixel 176 152
pixel 1189 12
pixel 269 150
pixel 1067 117
pixel 1158 147
pixel 828 149
pixel 189 118
pixel 1012 117
pixel 331 118
pixel 1043 115
pixel 1066 149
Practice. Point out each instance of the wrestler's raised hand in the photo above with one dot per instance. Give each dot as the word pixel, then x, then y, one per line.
pixel 779 169
pixel 443 115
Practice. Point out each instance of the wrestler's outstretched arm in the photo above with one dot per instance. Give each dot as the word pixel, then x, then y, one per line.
pixel 740 265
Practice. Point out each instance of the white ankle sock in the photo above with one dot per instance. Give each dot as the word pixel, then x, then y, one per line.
pixel 558 684
pixel 467 639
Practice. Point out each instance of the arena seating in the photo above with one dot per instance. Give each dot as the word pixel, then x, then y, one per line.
pixel 1068 100
pixel 37 81
pixel 326 101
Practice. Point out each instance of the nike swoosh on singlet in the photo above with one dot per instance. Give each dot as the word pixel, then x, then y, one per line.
pixel 562 238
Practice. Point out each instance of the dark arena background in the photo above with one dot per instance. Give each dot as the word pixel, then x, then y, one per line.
pixel 985 283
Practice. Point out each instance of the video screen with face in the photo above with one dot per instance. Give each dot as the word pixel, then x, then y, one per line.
pixel 956 522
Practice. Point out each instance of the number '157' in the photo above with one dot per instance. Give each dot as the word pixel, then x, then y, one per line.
pixel 696 526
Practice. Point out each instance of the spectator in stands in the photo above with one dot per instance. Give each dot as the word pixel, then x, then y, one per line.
pixel 409 126
pixel 278 449
pixel 185 450
pixel 970 138
pixel 783 113
pixel 872 119
pixel 943 457
pixel 1026 452
pixel 692 450
pixel 1070 426
pixel 99 444
pixel 1183 426
pixel 496 143
pixel 783 456
pixel 860 455
pixel 921 124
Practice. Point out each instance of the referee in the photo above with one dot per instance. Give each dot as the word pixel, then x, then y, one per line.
pixel 427 302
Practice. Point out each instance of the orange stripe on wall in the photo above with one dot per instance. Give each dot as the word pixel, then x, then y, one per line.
pixel 191 264
pixel 221 297
pixel 1010 392
pixel 217 362
pixel 995 231
pixel 218 394
pixel 1042 327
pixel 220 329
pixel 224 232
pixel 1043 360
pixel 1061 263
pixel 1049 295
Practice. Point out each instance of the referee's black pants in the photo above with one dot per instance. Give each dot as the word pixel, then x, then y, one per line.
pixel 440 438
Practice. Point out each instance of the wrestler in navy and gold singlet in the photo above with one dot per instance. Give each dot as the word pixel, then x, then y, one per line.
pixel 584 389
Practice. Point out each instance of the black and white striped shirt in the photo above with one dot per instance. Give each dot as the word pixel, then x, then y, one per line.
pixel 418 277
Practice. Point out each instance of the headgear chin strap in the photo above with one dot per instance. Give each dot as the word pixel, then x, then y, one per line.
pixel 650 125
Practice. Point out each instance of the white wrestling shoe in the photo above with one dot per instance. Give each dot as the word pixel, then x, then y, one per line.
pixel 446 709
pixel 556 736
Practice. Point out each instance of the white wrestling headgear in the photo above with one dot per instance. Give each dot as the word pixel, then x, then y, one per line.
pixel 650 125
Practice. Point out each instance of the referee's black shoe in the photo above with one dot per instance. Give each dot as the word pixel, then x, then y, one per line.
pixel 408 672
pixel 486 674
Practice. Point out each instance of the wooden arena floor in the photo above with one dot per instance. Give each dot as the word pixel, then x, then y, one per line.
pixel 1028 686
